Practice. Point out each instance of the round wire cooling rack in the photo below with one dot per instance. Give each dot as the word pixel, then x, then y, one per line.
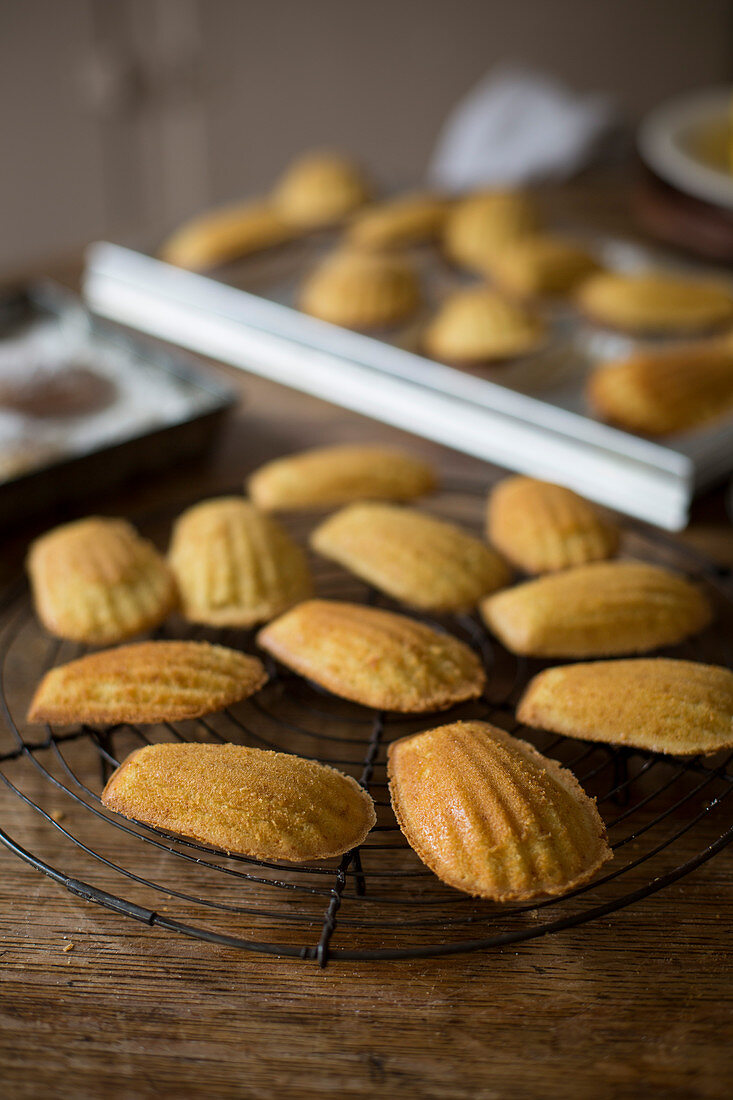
pixel 665 816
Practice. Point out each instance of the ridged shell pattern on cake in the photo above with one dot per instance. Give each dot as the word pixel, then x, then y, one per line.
pixel 492 817
pixel 542 527
pixel 235 565
pixel 146 682
pixel 98 581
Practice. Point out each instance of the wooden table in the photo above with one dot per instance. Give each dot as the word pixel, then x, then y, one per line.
pixel 634 1005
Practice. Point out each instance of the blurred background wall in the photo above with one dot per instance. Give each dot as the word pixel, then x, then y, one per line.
pixel 119 117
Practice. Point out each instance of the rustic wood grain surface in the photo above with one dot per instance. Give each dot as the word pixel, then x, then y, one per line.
pixel 91 1004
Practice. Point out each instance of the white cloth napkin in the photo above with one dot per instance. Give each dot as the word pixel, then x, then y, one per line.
pixel 517 127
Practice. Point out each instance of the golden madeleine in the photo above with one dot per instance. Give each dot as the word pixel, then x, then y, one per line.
pixel 320 189
pixel 655 303
pixel 539 266
pixel 146 682
pixel 492 817
pixel 542 527
pixel 361 290
pixel 399 223
pixel 481 224
pixel 235 566
pixel 411 556
pixel 598 610
pixel 663 391
pixel 374 657
pixel 326 476
pixel 656 704
pixel 218 236
pixel 96 580
pixel 266 805
pixel 476 325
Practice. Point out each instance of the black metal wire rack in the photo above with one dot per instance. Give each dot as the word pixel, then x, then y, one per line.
pixel 665 816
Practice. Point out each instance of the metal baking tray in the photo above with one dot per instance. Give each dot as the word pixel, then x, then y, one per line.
pixel 529 415
pixel 149 408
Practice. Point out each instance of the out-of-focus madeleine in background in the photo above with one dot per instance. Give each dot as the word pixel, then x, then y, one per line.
pixel 400 222
pixel 326 476
pixel 655 303
pixel 603 609
pixel 146 682
pixel 236 566
pixel 541 266
pixel 542 527
pixel 218 236
pixel 489 815
pixel 374 657
pixel 320 189
pixel 475 326
pixel 479 225
pixel 656 392
pixel 414 557
pixel 361 290
pixel 98 581
pixel 266 805
pixel 657 704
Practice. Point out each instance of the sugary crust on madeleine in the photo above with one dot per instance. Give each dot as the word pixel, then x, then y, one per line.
pixel 374 657
pixel 412 556
pixel 475 325
pixel 146 682
pixel 326 476
pixel 98 581
pixel 669 390
pixel 400 222
pixel 657 704
pixel 236 566
pixel 266 805
pixel 541 527
pixel 361 290
pixel 655 302
pixel 603 609
pixel 218 236
pixel 480 224
pixel 492 817
pixel 536 266
pixel 320 189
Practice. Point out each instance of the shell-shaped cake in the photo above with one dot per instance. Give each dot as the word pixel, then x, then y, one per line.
pixel 361 290
pixel 235 565
pixel 411 556
pixel 491 816
pixel 399 223
pixel 320 189
pixel 326 476
pixel 98 581
pixel 655 302
pixel 480 224
pixel 266 805
pixel 542 528
pixel 669 390
pixel 476 325
pixel 374 657
pixel 603 609
pixel 219 236
pixel 146 682
pixel 539 266
pixel 657 704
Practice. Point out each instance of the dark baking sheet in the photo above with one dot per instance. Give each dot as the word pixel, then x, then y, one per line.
pixel 70 473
